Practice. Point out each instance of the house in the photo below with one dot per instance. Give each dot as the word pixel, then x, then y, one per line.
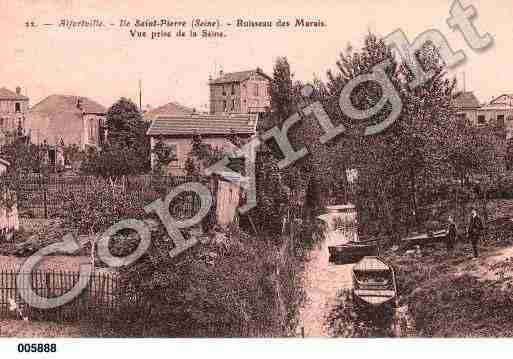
pixel 177 132
pixel 465 105
pixel 240 92
pixel 13 110
pixel 170 109
pixel 497 114
pixel 62 119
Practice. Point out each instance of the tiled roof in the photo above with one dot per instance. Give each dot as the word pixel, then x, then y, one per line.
pixel 6 94
pixel 170 109
pixel 238 76
pixel 62 103
pixel 465 100
pixel 203 124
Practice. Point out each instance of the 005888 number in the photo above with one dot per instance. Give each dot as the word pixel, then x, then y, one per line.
pixel 37 348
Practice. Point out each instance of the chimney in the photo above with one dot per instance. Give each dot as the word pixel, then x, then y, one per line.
pixel 220 72
pixel 18 90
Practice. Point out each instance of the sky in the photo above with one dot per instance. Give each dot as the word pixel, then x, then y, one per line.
pixel 106 64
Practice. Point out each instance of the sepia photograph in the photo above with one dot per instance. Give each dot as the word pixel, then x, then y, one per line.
pixel 270 170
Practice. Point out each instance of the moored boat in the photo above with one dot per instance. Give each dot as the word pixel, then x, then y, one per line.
pixel 374 282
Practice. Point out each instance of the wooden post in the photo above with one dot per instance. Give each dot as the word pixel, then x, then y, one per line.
pixel 45 204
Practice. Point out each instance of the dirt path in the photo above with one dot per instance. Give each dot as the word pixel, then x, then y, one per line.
pixel 322 282
pixel 481 267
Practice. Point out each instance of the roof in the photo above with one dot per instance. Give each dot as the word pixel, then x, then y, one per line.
pixel 170 109
pixel 506 99
pixel 465 100
pixel 371 264
pixel 496 106
pixel 203 124
pixel 64 103
pixel 238 76
pixel 6 94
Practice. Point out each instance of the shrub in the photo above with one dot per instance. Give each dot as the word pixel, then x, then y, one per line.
pixel 221 288
pixel 348 321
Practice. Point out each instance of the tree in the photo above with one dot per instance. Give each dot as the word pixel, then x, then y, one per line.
pixel 394 164
pixel 282 101
pixel 21 154
pixel 125 125
pixel 164 155
pixel 127 148
pixel 112 161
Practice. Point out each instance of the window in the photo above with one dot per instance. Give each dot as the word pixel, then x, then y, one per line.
pixel 173 154
pixel 1 122
pixel 233 89
pixel 91 131
pixel 481 120
pixel 224 106
pixel 256 90
pixel 500 120
pixel 17 107
pixel 461 117
pixel 224 91
pixel 233 105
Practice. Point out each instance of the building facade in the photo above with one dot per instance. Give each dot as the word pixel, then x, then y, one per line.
pixel 177 133
pixel 13 110
pixel 240 92
pixel 497 114
pixel 60 119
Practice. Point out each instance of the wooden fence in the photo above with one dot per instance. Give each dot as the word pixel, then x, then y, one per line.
pixel 41 196
pixel 100 296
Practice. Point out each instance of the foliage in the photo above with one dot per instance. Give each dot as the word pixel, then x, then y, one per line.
pixel 163 155
pixel 113 161
pixel 447 308
pixel 125 124
pixel 282 95
pixel 73 156
pixel 224 287
pixel 347 320
pixel 23 156
pixel 272 195
pixel 127 149
pixel 97 206
pixel 201 156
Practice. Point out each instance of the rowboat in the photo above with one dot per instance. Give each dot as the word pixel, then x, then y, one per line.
pixel 352 251
pixel 374 283
pixel 428 238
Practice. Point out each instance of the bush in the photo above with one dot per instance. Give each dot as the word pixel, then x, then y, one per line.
pixel 462 306
pixel 237 287
pixel 348 321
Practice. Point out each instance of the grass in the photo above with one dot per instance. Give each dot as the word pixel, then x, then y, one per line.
pixel 28 329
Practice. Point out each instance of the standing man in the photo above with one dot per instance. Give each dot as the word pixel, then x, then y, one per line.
pixel 474 231
pixel 451 234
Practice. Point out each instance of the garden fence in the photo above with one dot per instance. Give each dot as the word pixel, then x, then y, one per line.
pixel 101 296
pixel 40 196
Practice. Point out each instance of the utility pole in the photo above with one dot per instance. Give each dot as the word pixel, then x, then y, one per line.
pixel 140 96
